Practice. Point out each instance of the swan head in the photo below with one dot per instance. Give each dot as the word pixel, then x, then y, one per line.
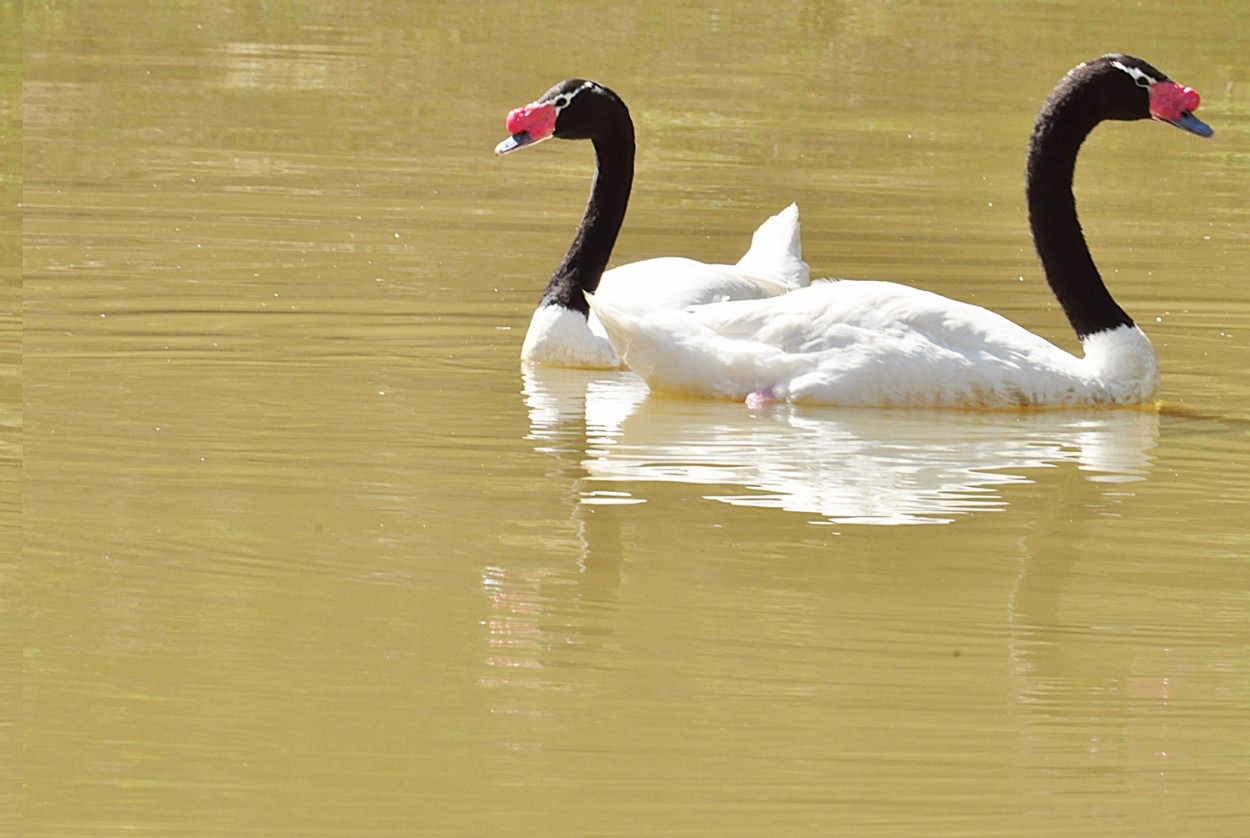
pixel 574 109
pixel 1135 89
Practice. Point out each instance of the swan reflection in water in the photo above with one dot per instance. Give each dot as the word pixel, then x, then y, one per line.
pixel 847 466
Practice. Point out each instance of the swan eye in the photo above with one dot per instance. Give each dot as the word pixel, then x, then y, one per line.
pixel 561 102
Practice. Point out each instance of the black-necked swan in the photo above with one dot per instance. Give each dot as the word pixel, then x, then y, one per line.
pixel 562 331
pixel 881 344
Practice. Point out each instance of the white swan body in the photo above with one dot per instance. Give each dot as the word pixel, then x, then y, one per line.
pixel 882 344
pixel 564 337
pixel 879 344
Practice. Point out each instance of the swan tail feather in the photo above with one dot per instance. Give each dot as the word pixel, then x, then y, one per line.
pixel 776 254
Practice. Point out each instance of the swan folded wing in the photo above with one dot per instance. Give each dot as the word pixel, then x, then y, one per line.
pixel 914 347
pixel 677 282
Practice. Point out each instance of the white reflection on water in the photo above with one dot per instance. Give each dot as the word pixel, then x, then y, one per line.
pixel 847 466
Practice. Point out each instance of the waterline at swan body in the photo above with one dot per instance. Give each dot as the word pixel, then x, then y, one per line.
pixel 877 343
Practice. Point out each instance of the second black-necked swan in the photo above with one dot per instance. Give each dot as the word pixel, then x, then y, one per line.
pixel 882 344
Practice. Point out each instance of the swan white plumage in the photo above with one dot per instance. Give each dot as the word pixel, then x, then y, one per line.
pixel 878 343
pixel 562 331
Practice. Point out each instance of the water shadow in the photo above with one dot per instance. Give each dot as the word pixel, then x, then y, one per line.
pixel 844 466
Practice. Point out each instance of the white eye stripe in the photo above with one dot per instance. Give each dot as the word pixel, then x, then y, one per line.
pixel 1142 78
pixel 565 99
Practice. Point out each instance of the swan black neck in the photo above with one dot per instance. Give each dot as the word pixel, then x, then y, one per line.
pixel 588 255
pixel 1066 119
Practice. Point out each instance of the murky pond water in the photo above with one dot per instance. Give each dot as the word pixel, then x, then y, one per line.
pixel 306 552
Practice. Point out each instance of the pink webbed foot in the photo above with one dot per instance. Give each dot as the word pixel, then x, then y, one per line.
pixel 761 397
